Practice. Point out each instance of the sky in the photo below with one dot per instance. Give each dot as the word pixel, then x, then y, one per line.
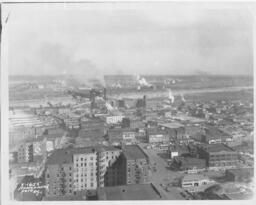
pixel 165 38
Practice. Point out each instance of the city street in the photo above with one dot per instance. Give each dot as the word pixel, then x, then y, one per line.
pixel 162 176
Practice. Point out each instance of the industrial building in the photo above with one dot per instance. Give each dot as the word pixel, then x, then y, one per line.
pixel 240 175
pixel 218 156
pixel 192 181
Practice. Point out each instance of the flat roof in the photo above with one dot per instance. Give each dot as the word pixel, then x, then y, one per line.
pixel 134 152
pixel 191 177
pixel 129 192
pixel 65 156
pixel 155 130
pixel 191 160
pixel 172 125
pixel 214 132
pixel 91 119
pixel 218 148
pixel 242 171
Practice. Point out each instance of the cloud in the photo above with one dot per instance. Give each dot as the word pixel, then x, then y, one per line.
pixel 129 39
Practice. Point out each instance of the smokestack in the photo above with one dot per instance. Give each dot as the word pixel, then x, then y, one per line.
pixel 92 99
pixel 182 98
pixel 144 101
pixel 105 94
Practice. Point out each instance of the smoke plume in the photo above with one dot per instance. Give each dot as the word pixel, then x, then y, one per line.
pixel 171 96
pixel 142 82
pixel 58 60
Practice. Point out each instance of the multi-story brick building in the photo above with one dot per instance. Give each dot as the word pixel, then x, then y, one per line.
pixel 218 156
pixel 92 126
pixel 118 135
pixel 157 136
pixel 134 165
pixel 26 152
pixel 69 171
pixel 174 129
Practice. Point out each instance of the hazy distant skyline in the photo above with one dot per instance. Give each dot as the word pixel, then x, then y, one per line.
pixel 134 38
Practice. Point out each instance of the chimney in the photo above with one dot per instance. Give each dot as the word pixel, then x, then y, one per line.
pixel 105 94
pixel 144 101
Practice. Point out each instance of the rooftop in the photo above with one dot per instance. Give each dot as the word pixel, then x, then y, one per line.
pixel 191 177
pixel 217 148
pixel 91 119
pixel 179 148
pixel 134 152
pixel 172 125
pixel 52 131
pixel 129 192
pixel 190 160
pixel 242 171
pixel 65 156
pixel 153 131
pixel 213 132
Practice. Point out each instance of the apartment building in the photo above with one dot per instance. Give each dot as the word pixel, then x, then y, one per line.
pixel 69 171
pixel 134 166
pixel 25 152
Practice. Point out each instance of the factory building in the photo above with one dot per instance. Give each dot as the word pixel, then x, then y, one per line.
pixel 218 156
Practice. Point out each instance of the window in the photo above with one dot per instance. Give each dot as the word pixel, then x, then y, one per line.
pixel 48 176
pixel 81 159
pixel 57 175
pixel 70 191
pixel 84 164
pixel 92 184
pixel 81 164
pixel 70 168
pixel 91 158
pixel 70 174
